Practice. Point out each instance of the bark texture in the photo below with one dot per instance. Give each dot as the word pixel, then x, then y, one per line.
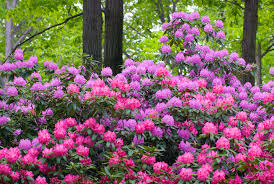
pixel 92 30
pixel 249 36
pixel 8 38
pixel 113 35
pixel 9 29
pixel 259 64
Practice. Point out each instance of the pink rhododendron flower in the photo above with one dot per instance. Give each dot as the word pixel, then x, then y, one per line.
pixel 209 128
pixel 70 122
pixel 110 136
pixel 82 151
pixel 218 176
pixel 208 28
pixel 205 19
pixel 202 174
pixel 242 116
pixel 140 128
pixel 148 159
pixel 185 158
pixel 223 143
pixel 18 54
pixel 186 174
pixel 164 39
pixel 165 49
pixel 40 180
pixel 60 150
pixel 106 71
pixel 158 167
pixel 219 23
pixel 162 71
pixel 72 88
pixel 149 125
pixel 44 136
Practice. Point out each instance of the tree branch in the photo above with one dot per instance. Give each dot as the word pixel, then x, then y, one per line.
pixel 44 30
pixel 160 13
pixel 268 50
pixel 17 27
pixel 174 5
pixel 235 3
pixel 14 2
pixel 126 54
pixel 168 12
pixel 22 37
pixel 134 29
pixel 8 4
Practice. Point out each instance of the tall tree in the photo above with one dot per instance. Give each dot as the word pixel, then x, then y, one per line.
pixel 92 30
pixel 113 35
pixel 249 36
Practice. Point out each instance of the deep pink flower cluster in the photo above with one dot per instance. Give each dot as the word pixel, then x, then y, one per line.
pixel 144 125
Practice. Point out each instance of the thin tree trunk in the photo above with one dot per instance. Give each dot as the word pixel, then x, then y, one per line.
pixel 113 35
pixel 259 65
pixel 249 36
pixel 8 37
pixel 8 29
pixel 160 10
pixel 92 31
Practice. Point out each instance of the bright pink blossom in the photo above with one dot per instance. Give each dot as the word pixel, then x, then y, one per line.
pixel 82 151
pixel 242 116
pixel 223 143
pixel 218 176
pixel 72 88
pixel 110 136
pixel 185 158
pixel 209 128
pixel 186 174
pixel 44 136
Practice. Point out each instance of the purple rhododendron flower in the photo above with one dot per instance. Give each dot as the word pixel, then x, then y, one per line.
pixel 4 120
pixel 24 144
pixel 106 71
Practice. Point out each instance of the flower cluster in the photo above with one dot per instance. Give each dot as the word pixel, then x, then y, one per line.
pixel 144 125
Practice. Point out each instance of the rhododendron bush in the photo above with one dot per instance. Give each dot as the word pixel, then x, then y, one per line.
pixel 195 123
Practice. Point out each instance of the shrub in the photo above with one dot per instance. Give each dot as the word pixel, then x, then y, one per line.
pixel 196 123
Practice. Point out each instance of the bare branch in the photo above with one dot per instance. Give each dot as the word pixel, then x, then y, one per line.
pixel 235 3
pixel 126 54
pixel 268 50
pixel 8 4
pixel 134 29
pixel 22 37
pixel 168 12
pixel 44 30
pixel 159 10
pixel 174 5
pixel 138 32
pixel 14 2
pixel 17 27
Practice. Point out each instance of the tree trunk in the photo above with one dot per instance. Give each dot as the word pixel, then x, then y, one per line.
pixel 259 65
pixel 92 32
pixel 8 29
pixel 113 35
pixel 249 36
pixel 8 38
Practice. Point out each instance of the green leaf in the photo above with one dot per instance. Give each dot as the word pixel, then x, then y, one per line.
pixel 107 171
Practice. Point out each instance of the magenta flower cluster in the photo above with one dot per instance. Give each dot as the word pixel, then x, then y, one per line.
pixel 147 124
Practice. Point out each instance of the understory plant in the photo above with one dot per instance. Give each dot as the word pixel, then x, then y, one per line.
pixel 186 119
